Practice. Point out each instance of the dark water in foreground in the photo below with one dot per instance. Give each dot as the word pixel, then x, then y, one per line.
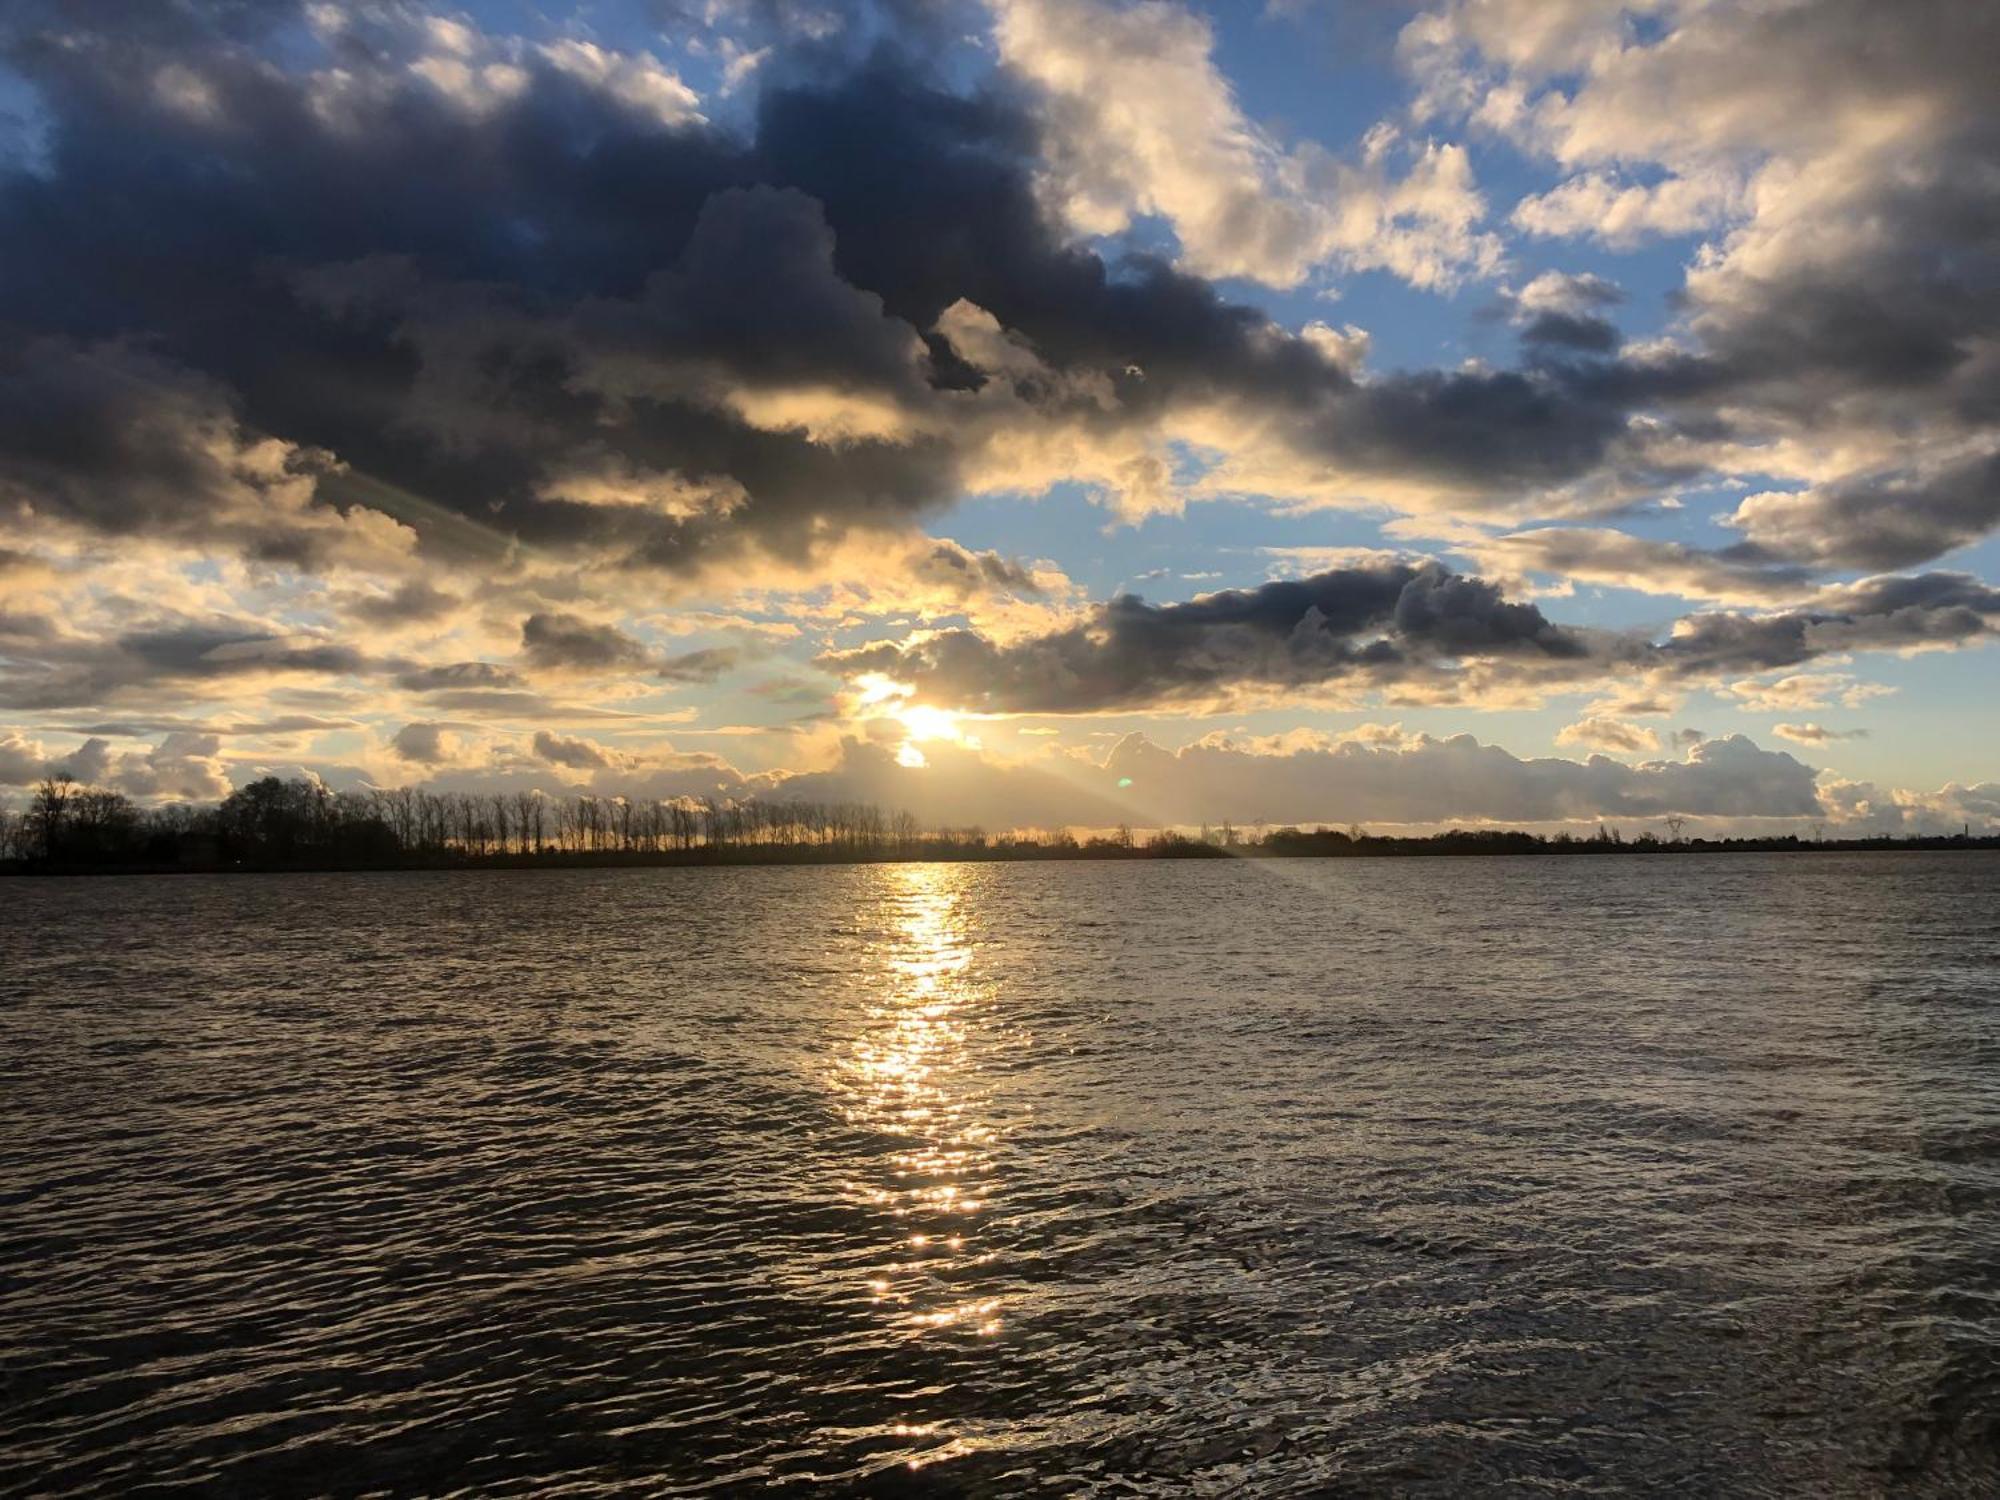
pixel 1440 1176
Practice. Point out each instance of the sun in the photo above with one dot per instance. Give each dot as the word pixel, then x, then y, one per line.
pixel 920 721
pixel 881 697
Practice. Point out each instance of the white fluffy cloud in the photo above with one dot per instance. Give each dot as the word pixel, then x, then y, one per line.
pixel 1140 121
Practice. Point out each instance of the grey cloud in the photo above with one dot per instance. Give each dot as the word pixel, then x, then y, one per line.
pixel 1396 623
pixel 183 766
pixel 410 603
pixel 514 703
pixel 425 743
pixel 170 724
pixel 459 675
pixel 52 672
pixel 973 573
pixel 117 438
pixel 1373 623
pixel 1884 520
pixel 553 640
pixel 1602 556
pixel 1605 732
pixel 705 665
pixel 22 761
pixel 1461 778
pixel 461 340
pixel 1429 781
pixel 1568 331
pixel 1882 614
pixel 577 753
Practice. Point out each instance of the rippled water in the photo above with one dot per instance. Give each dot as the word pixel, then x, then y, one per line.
pixel 1429 1176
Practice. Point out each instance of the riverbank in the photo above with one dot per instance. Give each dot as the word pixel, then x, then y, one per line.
pixel 1284 844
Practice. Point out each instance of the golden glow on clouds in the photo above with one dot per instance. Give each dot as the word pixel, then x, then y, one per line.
pixel 916 723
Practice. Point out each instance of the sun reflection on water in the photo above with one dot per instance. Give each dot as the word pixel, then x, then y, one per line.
pixel 912 1079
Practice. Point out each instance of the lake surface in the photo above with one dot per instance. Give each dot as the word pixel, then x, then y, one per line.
pixel 1437 1176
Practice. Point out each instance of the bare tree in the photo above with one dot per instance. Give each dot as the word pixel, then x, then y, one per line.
pixel 49 812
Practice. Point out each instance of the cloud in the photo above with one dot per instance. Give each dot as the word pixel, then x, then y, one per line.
pixel 1601 732
pixel 1622 213
pixel 576 753
pixel 555 641
pixel 1815 734
pixel 183 766
pixel 1892 613
pixel 696 666
pixel 357 344
pixel 1840 325
pixel 1564 312
pixel 1616 559
pixel 410 603
pixel 1371 623
pixel 22 760
pixel 164 660
pixel 1419 780
pixel 1137 120
pixel 1887 519
pixel 1801 690
pixel 112 437
pixel 459 676
pixel 428 743
pixel 1414 627
pixel 345 342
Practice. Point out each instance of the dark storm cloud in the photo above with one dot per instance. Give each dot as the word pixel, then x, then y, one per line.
pixel 465 307
pixel 1881 614
pixel 1570 331
pixel 1391 624
pixel 236 286
pixel 121 440
pixel 1376 623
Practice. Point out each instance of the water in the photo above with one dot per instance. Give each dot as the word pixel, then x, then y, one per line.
pixel 1435 1176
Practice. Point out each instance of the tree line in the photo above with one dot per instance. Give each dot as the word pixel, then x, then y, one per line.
pixel 274 823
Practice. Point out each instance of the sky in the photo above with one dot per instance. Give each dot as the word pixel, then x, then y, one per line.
pixel 1023 414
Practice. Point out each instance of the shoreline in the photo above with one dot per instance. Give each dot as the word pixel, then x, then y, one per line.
pixel 1443 846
